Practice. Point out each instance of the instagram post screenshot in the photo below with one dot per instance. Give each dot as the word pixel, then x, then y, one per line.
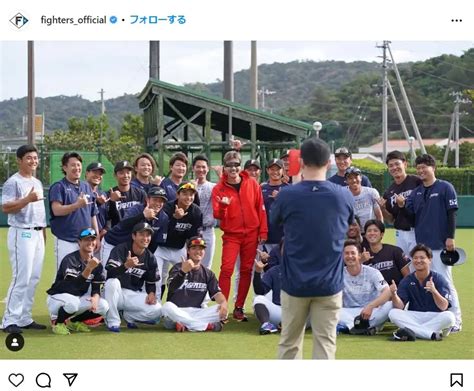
pixel 236 194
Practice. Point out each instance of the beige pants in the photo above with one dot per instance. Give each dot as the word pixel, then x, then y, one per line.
pixel 323 312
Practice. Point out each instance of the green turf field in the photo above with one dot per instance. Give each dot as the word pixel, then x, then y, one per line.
pixel 238 340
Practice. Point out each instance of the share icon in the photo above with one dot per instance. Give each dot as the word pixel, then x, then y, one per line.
pixel 71 378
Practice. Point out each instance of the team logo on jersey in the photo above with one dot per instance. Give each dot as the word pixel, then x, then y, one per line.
pixel 434 195
pixel 195 286
pixel 183 226
pixel 135 272
pixel 453 202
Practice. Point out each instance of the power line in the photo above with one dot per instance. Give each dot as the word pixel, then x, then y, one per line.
pixel 442 78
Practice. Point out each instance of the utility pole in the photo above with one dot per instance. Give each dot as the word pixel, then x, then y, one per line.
pixel 406 101
pixel 31 93
pixel 457 101
pixel 102 113
pixel 228 71
pixel 264 92
pixel 154 60
pixel 450 135
pixel 399 113
pixel 253 75
pixel 384 102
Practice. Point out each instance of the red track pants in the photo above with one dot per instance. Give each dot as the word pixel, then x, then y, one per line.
pixel 233 245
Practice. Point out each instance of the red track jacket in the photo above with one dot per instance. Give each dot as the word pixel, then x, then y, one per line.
pixel 246 212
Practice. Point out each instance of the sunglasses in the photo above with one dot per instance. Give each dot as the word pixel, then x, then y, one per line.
pixel 230 165
pixel 187 186
pixel 87 232
pixel 197 242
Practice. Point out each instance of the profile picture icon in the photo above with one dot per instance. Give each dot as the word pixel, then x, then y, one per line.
pixel 14 342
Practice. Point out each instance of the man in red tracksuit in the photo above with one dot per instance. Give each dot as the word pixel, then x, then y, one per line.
pixel 238 203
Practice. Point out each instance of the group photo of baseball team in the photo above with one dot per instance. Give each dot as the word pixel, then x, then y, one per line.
pixel 300 255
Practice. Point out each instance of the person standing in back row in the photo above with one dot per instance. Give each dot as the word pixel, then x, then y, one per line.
pixel 72 207
pixel 312 265
pixel 434 204
pixel 22 200
pixel 401 188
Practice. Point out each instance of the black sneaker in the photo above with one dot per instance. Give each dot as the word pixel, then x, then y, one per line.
pixel 12 329
pixel 239 315
pixel 404 334
pixel 34 326
pixel 437 336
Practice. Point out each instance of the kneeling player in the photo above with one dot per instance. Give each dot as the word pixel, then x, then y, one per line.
pixel 130 267
pixel 188 284
pixel 69 301
pixel 365 296
pixel 429 297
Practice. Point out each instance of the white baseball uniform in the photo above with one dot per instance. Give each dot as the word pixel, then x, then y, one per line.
pixel 26 249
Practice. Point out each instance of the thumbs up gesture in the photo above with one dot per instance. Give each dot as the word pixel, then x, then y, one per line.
pixel 186 265
pixel 430 286
pixel 34 195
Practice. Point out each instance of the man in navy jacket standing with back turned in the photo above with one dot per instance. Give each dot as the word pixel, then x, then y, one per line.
pixel 315 215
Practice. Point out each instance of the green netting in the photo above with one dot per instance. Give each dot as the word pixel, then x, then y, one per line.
pixel 56 174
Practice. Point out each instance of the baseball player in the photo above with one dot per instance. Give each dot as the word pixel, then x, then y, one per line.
pixel 343 159
pixel 94 174
pixel 427 294
pixel 74 296
pixel 386 258
pixel 185 221
pixel 132 273
pixel 365 293
pixel 145 167
pixel 178 166
pixel 270 191
pixel 434 204
pixel 365 198
pixel 22 200
pixel 267 308
pixel 123 196
pixel 204 190
pixel 254 169
pixel 72 207
pixel 400 189
pixel 152 213
pixel 188 284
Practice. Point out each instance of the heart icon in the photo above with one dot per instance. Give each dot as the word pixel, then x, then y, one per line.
pixel 16 379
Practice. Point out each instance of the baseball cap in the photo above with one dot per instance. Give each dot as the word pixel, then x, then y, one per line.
pixel 186 186
pixel 453 258
pixel 123 164
pixel 352 170
pixel 343 151
pixel 275 162
pixel 196 241
pixel 157 192
pixel 87 233
pixel 252 162
pixel 285 154
pixel 95 166
pixel 140 227
pixel 361 326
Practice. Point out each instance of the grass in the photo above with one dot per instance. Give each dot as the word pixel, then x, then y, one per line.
pixel 238 340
